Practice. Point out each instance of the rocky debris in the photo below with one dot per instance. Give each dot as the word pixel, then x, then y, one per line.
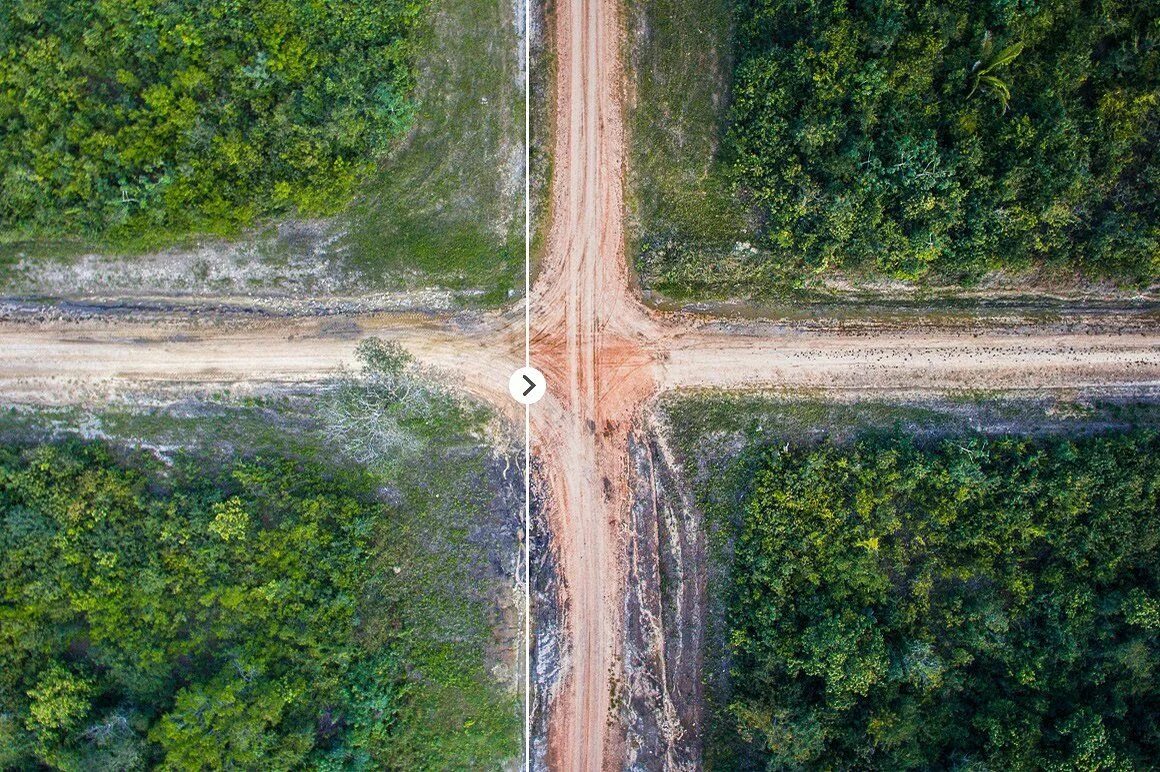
pixel 661 702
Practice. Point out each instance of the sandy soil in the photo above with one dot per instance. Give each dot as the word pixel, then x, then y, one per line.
pixel 99 359
pixel 928 360
pixel 60 362
pixel 591 338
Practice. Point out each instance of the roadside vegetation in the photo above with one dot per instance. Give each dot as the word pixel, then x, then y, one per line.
pixel 446 206
pixel 888 600
pixel 931 142
pixel 684 223
pixel 139 123
pixel 979 601
pixel 242 584
pixel 380 140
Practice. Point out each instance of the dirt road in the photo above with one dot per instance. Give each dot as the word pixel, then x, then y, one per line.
pixel 915 361
pixel 603 357
pixel 59 362
pixel 68 361
pixel 592 341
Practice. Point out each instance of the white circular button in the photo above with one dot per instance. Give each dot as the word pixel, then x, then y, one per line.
pixel 527 385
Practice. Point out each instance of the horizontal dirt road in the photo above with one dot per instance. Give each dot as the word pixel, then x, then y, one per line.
pixel 604 356
pixel 63 362
pixel 929 360
pixel 52 363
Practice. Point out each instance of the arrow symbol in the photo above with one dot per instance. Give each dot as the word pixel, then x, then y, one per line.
pixel 526 385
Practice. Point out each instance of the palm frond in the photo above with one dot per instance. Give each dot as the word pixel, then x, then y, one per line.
pixel 997 85
pixel 1006 56
pixel 981 70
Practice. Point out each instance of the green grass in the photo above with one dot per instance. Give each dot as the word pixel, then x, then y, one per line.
pixel 542 126
pixel 716 429
pixel 446 208
pixel 679 201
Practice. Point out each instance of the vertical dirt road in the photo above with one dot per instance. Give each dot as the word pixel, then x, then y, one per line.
pixel 589 337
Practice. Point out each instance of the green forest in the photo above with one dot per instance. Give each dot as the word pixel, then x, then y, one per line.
pixel 191 623
pixel 948 139
pixel 138 121
pixel 974 603
pixel 297 586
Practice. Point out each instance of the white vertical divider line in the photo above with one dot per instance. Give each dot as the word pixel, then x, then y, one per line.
pixel 527 363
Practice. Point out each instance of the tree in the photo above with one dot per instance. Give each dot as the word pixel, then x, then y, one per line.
pixel 858 142
pixel 975 601
pixel 983 70
pixel 59 702
pixel 137 123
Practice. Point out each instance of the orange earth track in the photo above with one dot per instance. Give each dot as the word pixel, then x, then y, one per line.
pixel 592 340
pixel 603 355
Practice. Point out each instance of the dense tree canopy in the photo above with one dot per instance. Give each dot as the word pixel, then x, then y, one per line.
pixel 951 138
pixel 190 622
pixel 981 604
pixel 125 117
